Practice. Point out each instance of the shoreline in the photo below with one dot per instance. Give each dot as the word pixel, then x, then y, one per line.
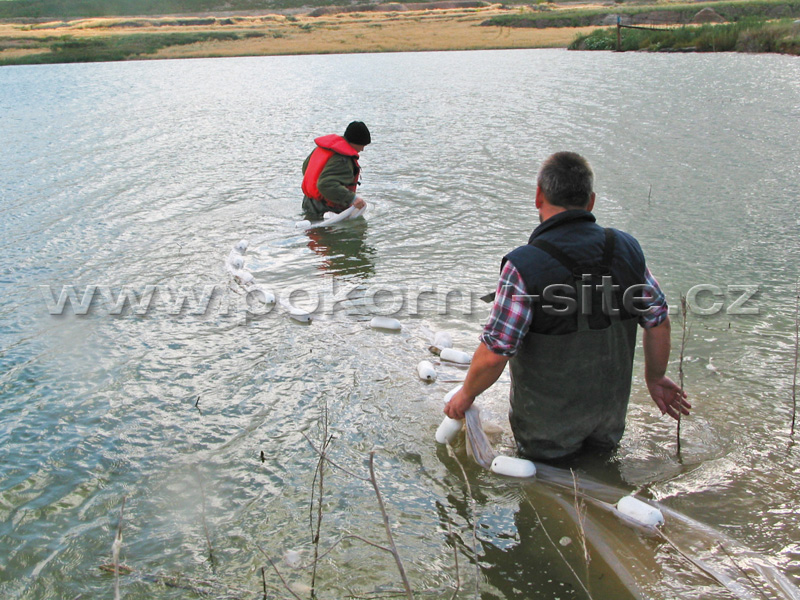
pixel 411 28
pixel 277 34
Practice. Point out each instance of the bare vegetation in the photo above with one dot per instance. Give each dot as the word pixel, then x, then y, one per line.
pixel 96 39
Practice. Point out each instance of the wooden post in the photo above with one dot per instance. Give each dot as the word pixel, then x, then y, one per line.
pixel 619 33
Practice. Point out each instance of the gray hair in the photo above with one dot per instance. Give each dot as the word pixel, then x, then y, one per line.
pixel 566 180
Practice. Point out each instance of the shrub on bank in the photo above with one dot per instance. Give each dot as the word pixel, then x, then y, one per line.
pixel 649 14
pixel 746 36
pixel 66 48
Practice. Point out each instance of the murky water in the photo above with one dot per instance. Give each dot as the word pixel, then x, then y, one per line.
pixel 130 175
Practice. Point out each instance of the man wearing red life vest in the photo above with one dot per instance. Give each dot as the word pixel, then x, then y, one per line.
pixel 330 173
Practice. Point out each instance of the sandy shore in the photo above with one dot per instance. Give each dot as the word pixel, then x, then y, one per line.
pixel 422 30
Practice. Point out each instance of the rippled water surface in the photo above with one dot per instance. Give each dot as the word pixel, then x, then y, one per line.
pixel 129 175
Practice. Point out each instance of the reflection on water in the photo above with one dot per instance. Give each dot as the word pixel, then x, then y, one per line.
pixel 514 564
pixel 147 173
pixel 344 249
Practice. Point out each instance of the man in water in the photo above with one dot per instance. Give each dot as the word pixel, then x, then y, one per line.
pixel 330 173
pixel 565 317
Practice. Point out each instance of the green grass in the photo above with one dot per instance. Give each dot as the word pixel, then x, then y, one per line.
pixel 675 13
pixel 66 49
pixel 745 36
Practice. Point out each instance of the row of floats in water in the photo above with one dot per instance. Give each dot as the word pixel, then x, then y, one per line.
pixel 629 507
pixel 637 513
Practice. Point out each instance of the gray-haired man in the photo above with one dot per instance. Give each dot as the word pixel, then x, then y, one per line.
pixel 566 320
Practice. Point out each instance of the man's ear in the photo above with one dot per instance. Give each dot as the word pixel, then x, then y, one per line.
pixel 539 198
pixel 590 206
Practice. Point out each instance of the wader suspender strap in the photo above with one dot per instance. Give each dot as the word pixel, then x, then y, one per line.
pixel 566 261
pixel 573 267
pixel 608 250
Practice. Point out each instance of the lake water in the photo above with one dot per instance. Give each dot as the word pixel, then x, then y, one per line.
pixel 129 175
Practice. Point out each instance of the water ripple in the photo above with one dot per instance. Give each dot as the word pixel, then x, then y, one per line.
pixel 146 173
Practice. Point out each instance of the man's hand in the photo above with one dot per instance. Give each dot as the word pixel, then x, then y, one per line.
pixel 668 397
pixel 458 405
pixel 359 202
pixel 484 370
pixel 665 393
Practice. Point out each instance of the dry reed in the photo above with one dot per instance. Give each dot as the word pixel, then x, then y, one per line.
pixel 580 510
pixel 319 480
pixel 388 528
pixel 203 517
pixel 474 521
pixel 684 312
pixel 372 479
pixel 796 347
pixel 557 549
pixel 115 549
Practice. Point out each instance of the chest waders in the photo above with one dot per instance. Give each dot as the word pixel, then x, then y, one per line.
pixel 574 388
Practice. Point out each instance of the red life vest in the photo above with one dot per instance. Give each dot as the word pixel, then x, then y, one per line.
pixel 327 146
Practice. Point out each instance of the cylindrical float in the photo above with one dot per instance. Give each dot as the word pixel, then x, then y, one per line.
pixel 244 277
pixel 236 263
pixel 385 323
pixel 263 294
pixel 448 430
pixel 639 511
pixel 456 356
pixel 426 371
pixel 513 467
pixel 442 340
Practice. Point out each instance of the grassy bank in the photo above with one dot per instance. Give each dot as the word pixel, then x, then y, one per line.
pixel 541 16
pixel 745 36
pixel 408 28
pixel 127 38
pixel 68 48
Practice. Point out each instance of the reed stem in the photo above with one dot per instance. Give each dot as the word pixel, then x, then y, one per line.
pixel 684 312
pixel 115 549
pixel 474 522
pixel 557 549
pixel 796 346
pixel 395 554
pixel 580 510
pixel 319 476
pixel 203 516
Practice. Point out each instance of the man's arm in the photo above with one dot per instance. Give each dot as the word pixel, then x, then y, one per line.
pixel 485 369
pixel 502 335
pixel 665 393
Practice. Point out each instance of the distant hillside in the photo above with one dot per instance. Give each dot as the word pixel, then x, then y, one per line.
pixel 73 9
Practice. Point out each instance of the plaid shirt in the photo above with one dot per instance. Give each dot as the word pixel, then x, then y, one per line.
pixel 512 314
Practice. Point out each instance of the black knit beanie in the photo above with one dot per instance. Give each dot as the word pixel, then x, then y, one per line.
pixel 357 133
